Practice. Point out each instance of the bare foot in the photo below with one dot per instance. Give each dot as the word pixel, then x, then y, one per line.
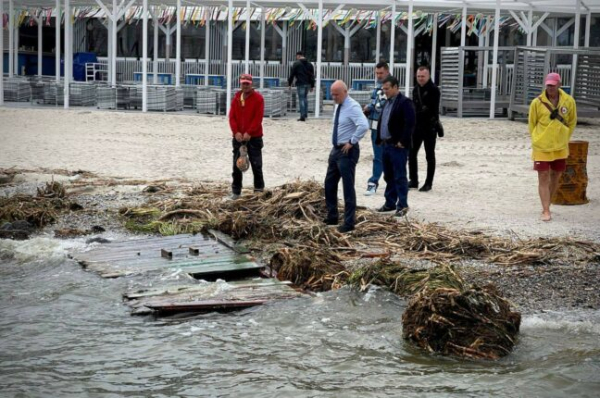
pixel 546 216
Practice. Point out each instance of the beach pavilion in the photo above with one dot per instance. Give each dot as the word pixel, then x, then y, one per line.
pixel 528 14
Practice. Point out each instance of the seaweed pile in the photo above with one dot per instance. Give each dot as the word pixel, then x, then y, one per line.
pixel 445 314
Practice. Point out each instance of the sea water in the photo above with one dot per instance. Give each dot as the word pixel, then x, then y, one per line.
pixel 65 332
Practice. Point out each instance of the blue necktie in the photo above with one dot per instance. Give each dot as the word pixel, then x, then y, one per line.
pixel 334 136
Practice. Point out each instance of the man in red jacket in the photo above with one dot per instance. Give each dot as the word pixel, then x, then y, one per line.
pixel 245 119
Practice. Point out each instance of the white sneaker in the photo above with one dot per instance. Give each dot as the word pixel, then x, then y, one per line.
pixel 233 196
pixel 371 189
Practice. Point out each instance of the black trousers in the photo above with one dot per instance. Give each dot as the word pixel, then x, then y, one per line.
pixel 423 135
pixel 341 166
pixel 255 146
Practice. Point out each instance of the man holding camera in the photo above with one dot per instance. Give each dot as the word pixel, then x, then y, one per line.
pixel 552 119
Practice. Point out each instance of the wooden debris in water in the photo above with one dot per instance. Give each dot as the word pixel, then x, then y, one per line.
pixel 445 315
pixel 475 323
pixel 38 210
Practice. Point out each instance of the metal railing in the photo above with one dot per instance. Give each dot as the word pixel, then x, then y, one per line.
pixel 336 71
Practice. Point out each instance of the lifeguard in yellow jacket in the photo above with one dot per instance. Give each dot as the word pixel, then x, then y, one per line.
pixel 552 119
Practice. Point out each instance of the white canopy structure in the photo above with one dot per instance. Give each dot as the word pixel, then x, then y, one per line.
pixel 529 14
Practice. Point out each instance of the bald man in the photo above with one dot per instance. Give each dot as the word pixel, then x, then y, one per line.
pixel 349 126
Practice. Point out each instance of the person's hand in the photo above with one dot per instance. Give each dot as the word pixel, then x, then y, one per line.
pixel 366 110
pixel 238 137
pixel 246 137
pixel 399 145
pixel 346 148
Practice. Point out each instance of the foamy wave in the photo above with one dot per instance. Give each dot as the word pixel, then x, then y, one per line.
pixel 35 249
pixel 581 322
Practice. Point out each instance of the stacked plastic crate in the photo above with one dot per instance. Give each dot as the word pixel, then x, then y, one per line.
pixel 275 102
pixel 207 100
pixel 17 89
pixel 362 97
pixel 82 94
pixel 162 98
pixel 189 95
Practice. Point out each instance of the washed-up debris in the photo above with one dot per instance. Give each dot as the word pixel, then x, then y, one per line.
pixel 475 323
pixel 445 314
pixel 52 190
pixel 38 211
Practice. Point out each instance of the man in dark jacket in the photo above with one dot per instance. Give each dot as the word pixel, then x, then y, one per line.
pixel 394 132
pixel 304 73
pixel 426 97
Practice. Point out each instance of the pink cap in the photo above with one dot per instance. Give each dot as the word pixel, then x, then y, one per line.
pixel 552 79
pixel 246 78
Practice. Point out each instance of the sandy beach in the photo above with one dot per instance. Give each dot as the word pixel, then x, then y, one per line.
pixel 484 178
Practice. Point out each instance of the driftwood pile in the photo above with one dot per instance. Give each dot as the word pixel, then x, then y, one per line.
pixel 21 214
pixel 445 314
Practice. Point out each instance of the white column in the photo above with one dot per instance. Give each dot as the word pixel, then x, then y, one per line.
pixel 57 42
pixel 530 28
pixel 178 47
pixel 588 25
pixel 155 56
pixel 378 38
pixel 16 49
pixel 434 46
pixel 145 54
pixel 247 52
pixel 486 55
pixel 262 48
pixel 409 44
pixel 2 53
pixel 284 43
pixel 463 27
pixel 11 39
pixel 207 51
pixel 319 57
pixel 495 59
pixel 392 37
pixel 39 21
pixel 115 33
pixel 229 51
pixel 168 42
pixel 575 44
pixel 68 52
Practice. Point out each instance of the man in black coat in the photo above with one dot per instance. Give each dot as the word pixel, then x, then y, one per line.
pixel 426 97
pixel 394 131
pixel 304 73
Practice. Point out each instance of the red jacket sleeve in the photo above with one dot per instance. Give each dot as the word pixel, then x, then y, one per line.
pixel 257 117
pixel 232 117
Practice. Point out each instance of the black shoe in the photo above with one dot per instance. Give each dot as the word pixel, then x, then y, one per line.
pixel 331 221
pixel 413 185
pixel 401 212
pixel 302 119
pixel 425 188
pixel 385 209
pixel 345 228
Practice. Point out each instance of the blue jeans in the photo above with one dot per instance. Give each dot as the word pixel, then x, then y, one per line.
pixel 303 100
pixel 377 163
pixel 341 166
pixel 394 174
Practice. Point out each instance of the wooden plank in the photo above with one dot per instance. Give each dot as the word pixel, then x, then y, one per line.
pixel 189 289
pixel 205 306
pixel 228 241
